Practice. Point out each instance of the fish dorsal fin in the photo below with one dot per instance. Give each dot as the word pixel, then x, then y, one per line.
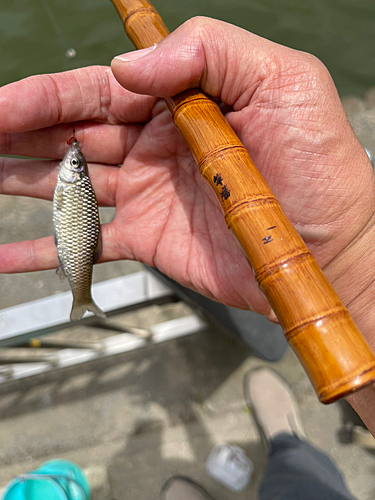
pixel 60 273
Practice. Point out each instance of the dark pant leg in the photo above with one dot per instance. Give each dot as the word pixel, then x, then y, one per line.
pixel 298 471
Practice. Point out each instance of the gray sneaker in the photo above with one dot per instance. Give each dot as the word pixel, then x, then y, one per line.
pixel 272 400
pixel 183 488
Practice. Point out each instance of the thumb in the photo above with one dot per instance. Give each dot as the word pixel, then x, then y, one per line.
pixel 217 57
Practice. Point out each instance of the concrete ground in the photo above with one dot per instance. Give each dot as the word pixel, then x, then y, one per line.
pixel 135 419
pixel 149 414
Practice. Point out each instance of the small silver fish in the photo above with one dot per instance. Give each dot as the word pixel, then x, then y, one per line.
pixel 77 229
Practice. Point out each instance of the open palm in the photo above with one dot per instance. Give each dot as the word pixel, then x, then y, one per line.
pixel 284 108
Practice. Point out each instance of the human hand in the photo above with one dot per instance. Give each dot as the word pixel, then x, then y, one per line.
pixel 285 110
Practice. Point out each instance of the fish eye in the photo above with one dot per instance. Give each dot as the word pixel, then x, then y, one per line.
pixel 74 162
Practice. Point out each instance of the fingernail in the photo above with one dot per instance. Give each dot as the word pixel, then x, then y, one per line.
pixel 136 54
pixel 271 316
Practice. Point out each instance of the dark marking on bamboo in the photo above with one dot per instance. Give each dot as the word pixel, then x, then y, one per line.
pixel 225 193
pixel 218 180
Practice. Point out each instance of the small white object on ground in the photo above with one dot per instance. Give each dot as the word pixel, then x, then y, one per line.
pixel 230 466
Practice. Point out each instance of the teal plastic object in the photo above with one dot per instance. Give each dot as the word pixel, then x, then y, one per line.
pixel 53 480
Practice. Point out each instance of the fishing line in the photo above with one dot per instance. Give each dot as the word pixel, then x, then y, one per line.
pixel 70 52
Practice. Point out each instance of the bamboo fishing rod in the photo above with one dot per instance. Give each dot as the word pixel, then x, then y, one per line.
pixel 315 322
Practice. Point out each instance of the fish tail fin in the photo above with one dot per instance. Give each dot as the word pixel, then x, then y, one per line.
pixel 78 310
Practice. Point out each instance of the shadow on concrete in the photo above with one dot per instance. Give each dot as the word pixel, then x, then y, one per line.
pixel 147 461
pixel 176 378
pixel 350 421
pixel 143 466
pixel 209 358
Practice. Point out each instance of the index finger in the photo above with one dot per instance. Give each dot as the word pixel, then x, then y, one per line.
pixel 90 93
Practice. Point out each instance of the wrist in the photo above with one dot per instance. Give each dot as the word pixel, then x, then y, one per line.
pixel 352 274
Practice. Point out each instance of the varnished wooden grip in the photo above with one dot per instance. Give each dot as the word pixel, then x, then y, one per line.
pixel 315 322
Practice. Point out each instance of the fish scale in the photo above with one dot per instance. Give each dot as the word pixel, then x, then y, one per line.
pixel 77 229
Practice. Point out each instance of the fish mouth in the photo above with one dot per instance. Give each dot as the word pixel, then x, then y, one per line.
pixel 73 151
pixel 73 165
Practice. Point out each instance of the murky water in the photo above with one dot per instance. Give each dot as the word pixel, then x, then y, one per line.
pixel 34 34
